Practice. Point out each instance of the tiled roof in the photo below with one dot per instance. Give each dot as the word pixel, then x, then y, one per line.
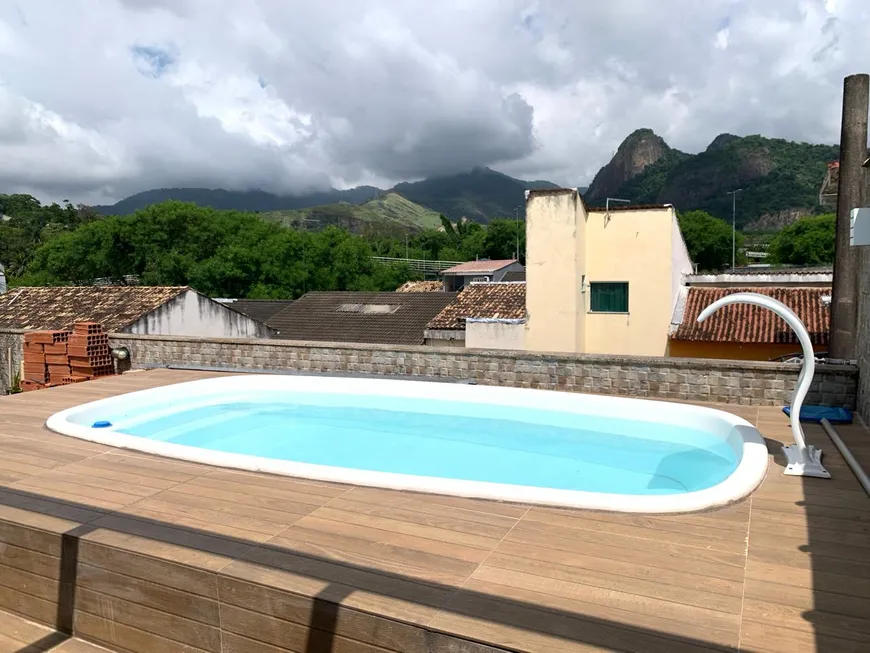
pixel 472 267
pixel 391 318
pixel 421 286
pixel 744 323
pixel 783 270
pixel 483 301
pixel 261 310
pixel 115 307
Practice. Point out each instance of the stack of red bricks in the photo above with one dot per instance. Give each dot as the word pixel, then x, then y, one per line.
pixel 45 359
pixel 89 354
pixel 62 357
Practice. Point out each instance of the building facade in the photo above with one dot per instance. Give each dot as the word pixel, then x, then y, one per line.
pixel 601 282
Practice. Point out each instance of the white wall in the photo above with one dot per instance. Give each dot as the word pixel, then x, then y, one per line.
pixel 192 314
pixel 681 262
pixel 495 335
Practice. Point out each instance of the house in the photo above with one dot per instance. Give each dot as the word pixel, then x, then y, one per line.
pixel 261 310
pixel 459 276
pixel 745 332
pixel 601 281
pixel 767 277
pixel 156 310
pixel 830 186
pixel 484 316
pixel 391 318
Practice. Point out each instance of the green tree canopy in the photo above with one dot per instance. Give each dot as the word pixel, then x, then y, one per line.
pixel 220 253
pixel 809 241
pixel 708 240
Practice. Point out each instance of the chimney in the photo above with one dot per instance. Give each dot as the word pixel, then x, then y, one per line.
pixel 2 280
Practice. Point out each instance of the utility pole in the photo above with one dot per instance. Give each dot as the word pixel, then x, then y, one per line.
pixel 733 194
pixel 853 153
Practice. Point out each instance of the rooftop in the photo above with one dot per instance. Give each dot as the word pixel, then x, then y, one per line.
pixel 397 318
pixel 164 555
pixel 115 307
pixel 743 323
pixel 501 300
pixel 483 267
pixel 631 207
pixel 421 286
pixel 262 310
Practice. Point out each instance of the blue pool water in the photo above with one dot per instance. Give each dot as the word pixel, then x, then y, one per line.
pixel 456 440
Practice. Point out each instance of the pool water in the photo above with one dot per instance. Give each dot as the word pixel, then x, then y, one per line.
pixel 449 439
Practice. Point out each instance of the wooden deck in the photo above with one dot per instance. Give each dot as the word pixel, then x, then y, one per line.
pixel 146 554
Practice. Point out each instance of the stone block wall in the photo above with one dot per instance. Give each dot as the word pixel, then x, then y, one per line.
pixel 11 353
pixel 734 382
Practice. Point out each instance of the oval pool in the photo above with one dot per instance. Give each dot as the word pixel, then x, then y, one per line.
pixel 507 444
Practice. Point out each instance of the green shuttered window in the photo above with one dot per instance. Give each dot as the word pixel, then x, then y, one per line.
pixel 609 297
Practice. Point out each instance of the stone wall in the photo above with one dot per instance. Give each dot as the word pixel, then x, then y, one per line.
pixel 11 353
pixel 862 342
pixel 732 382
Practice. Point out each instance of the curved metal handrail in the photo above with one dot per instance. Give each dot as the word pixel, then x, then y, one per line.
pixel 802 460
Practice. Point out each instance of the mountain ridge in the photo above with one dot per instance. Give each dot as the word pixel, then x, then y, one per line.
pixel 776 177
pixel 480 194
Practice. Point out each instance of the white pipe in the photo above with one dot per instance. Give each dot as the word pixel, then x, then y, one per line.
pixel 808 369
pixel 859 472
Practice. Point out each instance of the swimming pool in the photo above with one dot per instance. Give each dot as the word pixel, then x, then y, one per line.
pixel 509 444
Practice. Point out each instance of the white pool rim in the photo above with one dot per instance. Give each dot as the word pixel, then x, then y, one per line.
pixel 737 432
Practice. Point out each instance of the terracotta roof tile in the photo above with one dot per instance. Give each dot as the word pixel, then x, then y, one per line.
pixel 479 266
pixel 389 318
pixel 421 286
pixel 483 300
pixel 744 323
pixel 115 307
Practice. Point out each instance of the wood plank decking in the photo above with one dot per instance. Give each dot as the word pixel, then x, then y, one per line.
pixel 147 554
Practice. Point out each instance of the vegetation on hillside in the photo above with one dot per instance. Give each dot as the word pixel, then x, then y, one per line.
pixel 709 241
pixel 481 194
pixel 775 175
pixel 389 213
pixel 224 253
pixel 809 241
pixel 26 224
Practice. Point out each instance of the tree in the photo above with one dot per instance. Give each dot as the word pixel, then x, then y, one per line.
pixel 809 241
pixel 501 240
pixel 220 253
pixel 708 240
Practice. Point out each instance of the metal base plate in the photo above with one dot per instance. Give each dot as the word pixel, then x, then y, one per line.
pixel 812 466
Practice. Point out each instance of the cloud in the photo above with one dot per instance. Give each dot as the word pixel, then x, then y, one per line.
pixel 290 96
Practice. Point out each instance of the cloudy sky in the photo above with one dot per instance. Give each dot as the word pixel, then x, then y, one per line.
pixel 103 98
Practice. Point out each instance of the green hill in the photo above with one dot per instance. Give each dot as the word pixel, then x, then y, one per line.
pixel 388 213
pixel 777 176
pixel 481 194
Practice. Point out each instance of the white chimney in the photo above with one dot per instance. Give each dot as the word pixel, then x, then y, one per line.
pixel 2 280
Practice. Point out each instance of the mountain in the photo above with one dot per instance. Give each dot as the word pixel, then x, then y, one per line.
pixel 389 212
pixel 777 177
pixel 251 200
pixel 641 149
pixel 481 194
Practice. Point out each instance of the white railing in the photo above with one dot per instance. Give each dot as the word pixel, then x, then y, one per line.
pixel 801 459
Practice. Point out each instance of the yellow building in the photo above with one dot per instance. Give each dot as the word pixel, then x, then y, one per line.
pixel 600 281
